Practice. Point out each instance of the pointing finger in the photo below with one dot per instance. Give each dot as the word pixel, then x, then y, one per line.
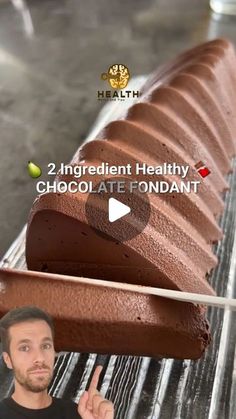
pixel 92 390
pixel 95 378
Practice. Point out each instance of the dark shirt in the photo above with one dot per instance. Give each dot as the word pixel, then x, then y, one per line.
pixel 59 409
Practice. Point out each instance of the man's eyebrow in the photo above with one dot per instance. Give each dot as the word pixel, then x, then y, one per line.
pixel 46 339
pixel 24 341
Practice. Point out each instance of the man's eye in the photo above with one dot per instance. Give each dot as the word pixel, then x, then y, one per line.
pixel 24 348
pixel 47 346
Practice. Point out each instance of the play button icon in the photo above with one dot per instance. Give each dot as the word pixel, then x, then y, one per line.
pixel 116 210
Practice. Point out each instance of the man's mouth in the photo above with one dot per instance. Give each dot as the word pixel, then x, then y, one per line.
pixel 40 371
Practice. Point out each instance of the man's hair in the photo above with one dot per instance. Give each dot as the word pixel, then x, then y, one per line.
pixel 20 315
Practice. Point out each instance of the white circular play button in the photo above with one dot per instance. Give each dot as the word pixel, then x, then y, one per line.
pixel 116 210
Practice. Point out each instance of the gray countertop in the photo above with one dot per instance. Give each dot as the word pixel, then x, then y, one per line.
pixel 52 54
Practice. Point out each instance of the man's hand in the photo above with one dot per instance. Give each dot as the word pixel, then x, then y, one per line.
pixel 92 405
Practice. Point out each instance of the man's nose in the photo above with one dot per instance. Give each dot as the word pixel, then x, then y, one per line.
pixel 38 356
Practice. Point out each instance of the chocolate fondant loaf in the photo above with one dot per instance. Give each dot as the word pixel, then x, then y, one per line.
pixel 186 114
pixel 100 319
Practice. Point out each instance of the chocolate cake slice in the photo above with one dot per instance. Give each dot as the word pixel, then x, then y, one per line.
pixel 186 114
pixel 92 318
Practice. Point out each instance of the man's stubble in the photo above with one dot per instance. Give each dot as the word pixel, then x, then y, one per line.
pixel 31 383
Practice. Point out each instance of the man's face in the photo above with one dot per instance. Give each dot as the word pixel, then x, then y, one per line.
pixel 31 354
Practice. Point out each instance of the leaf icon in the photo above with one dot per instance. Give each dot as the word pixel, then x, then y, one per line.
pixel 34 170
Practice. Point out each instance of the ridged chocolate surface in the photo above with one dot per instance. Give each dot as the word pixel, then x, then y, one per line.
pixel 186 114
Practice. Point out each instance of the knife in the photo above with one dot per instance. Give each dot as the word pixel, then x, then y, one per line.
pixel 189 297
